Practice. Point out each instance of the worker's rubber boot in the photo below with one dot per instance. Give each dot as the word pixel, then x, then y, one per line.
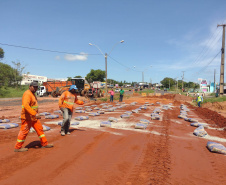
pixel 62 133
pixel 21 150
pixel 68 133
pixel 48 146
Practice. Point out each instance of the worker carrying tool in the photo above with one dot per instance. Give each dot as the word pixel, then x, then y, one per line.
pixel 30 118
pixel 66 102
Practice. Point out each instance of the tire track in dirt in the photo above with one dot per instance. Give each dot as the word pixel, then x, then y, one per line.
pixel 89 147
pixel 154 165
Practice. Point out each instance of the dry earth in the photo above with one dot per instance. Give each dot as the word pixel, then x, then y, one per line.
pixel 166 152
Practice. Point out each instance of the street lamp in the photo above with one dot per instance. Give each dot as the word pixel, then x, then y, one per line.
pixel 142 72
pixel 106 57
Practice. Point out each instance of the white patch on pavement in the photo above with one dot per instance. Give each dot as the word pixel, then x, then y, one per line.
pixel 214 138
pixel 95 124
pixel 220 129
pixel 52 122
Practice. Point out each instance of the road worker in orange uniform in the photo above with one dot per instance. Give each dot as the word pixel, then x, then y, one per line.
pixel 29 118
pixel 66 102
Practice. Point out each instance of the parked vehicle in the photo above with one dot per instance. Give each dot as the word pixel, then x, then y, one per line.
pixel 56 88
pixel 94 91
pixel 116 90
pixel 50 86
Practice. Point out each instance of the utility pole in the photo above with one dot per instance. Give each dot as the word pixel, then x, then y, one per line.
pixel 214 80
pixel 222 62
pixel 142 76
pixel 106 84
pixel 169 84
pixel 183 80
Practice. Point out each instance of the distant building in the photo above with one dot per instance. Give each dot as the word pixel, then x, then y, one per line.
pixel 203 86
pixel 156 85
pixel 212 88
pixel 28 78
pixel 127 85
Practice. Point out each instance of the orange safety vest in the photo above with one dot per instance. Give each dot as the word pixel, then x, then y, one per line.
pixel 29 106
pixel 67 100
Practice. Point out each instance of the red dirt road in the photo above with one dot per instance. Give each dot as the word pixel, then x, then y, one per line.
pixel 166 152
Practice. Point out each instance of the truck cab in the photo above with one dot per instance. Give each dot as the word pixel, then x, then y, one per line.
pixel 41 91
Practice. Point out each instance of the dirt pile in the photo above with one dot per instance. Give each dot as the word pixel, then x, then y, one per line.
pixel 177 97
pixel 217 106
pixel 211 116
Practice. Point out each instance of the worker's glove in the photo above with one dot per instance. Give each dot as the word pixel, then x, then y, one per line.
pixel 80 102
pixel 38 116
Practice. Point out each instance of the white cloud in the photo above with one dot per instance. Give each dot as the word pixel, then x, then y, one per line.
pixel 57 57
pixel 81 57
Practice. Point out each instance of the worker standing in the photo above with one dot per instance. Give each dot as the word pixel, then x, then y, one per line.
pixel 199 99
pixel 66 102
pixel 121 94
pixel 111 95
pixel 30 118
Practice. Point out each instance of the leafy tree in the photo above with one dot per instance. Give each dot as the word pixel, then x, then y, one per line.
pixel 120 84
pixel 179 84
pixel 78 76
pixel 133 83
pixel 95 75
pixel 113 82
pixel 69 78
pixel 1 53
pixel 167 82
pixel 18 70
pixel 6 74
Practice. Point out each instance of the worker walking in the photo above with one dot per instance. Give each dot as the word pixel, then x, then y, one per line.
pixel 30 118
pixel 121 94
pixel 199 99
pixel 66 102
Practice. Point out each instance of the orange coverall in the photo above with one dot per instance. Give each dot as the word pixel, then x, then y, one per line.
pixel 28 119
pixel 67 100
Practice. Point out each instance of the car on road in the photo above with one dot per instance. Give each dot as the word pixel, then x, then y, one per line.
pixel 116 90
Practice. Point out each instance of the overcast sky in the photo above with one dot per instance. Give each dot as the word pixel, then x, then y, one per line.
pixel 161 38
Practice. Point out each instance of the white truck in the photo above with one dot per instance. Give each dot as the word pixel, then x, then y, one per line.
pixel 41 91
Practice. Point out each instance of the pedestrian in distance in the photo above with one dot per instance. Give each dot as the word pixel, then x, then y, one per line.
pixel 121 92
pixel 30 118
pixel 199 99
pixel 111 95
pixel 66 102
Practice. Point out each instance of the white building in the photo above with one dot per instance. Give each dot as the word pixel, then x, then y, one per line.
pixel 28 78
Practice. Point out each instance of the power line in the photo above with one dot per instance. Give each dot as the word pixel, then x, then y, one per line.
pixel 120 63
pixel 209 62
pixel 205 49
pixel 204 52
pixel 38 49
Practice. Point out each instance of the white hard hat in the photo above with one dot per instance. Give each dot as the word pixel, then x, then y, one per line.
pixel 198 94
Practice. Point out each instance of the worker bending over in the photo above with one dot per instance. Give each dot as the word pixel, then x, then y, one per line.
pixel 29 118
pixel 66 102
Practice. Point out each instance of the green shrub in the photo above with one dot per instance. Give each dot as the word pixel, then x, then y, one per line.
pixel 12 92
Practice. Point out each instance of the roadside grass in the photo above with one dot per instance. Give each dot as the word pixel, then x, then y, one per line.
pixel 104 99
pixel 12 92
pixel 146 91
pixel 214 99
